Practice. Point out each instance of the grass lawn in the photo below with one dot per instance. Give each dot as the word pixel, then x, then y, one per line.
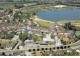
pixel 66 21
pixel 45 24
pixel 7 6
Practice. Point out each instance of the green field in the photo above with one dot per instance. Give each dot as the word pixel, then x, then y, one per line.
pixel 7 6
pixel 45 24
pixel 66 21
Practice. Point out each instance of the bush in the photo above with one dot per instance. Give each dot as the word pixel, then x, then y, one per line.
pixel 19 5
pixel 9 36
pixel 23 36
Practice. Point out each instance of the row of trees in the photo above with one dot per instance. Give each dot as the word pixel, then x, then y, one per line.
pixel 68 26
pixel 18 6
pixel 77 38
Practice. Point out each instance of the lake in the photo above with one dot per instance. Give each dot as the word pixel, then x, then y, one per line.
pixel 58 15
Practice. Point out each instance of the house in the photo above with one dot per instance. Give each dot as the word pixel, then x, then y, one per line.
pixel 57 41
pixel 29 23
pixel 38 54
pixel 1 10
pixel 59 52
pixel 65 39
pixel 16 10
pixel 38 34
pixel 16 37
pixel 78 50
pixel 74 23
pixel 59 6
pixel 18 32
pixel 24 20
pixel 48 38
pixel 2 14
pixel 23 29
pixel 77 32
pixel 69 50
pixel 1 21
pixel 9 32
pixel 48 52
pixel 28 28
pixel 77 25
pixel 21 48
pixel 52 29
pixel 8 47
pixel 29 42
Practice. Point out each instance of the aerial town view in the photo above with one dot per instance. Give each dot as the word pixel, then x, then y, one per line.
pixel 39 27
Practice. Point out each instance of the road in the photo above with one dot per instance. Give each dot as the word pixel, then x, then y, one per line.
pixel 15 48
pixel 75 47
pixel 27 53
pixel 36 23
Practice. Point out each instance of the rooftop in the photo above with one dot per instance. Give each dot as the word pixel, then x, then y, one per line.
pixel 65 39
pixel 38 54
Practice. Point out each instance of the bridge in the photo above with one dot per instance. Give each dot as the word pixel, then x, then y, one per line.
pixel 48 48
pixel 36 49
pixel 45 48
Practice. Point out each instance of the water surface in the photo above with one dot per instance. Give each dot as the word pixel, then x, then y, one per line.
pixel 58 15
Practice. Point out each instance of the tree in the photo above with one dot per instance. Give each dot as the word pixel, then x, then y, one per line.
pixel 37 38
pixel 33 24
pixel 74 53
pixel 29 15
pixel 34 13
pixel 68 26
pixel 8 21
pixel 16 15
pixel 52 36
pixel 23 36
pixel 0 44
pixel 19 6
pixel 9 36
pixel 23 16
pixel 3 54
pixel 77 38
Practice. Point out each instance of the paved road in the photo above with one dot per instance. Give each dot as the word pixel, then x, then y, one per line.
pixel 36 23
pixel 15 48
pixel 75 47
pixel 27 53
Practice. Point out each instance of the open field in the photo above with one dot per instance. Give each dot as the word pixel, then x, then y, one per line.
pixel 44 22
pixel 66 21
pixel 49 23
pixel 7 6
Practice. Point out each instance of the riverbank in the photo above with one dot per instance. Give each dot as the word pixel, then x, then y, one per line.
pixel 49 23
pixel 37 19
pixel 44 23
pixel 66 21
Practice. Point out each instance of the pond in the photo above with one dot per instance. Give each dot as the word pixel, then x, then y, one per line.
pixel 59 15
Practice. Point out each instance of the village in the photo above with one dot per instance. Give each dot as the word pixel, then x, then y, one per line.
pixel 28 37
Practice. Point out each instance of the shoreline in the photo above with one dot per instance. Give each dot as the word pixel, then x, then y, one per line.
pixel 63 21
pixel 37 19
